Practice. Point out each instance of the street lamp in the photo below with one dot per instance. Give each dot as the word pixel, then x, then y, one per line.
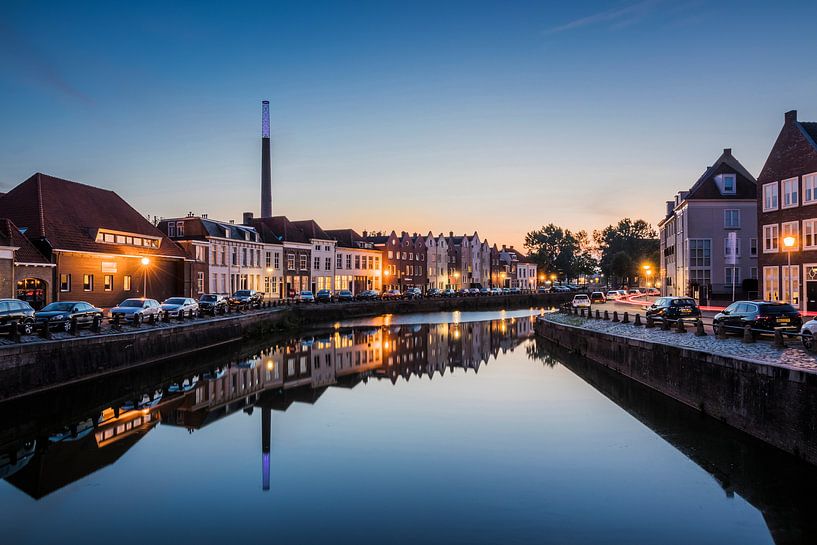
pixel 647 273
pixel 145 263
pixel 788 243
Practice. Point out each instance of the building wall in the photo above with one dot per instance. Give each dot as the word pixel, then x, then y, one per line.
pixel 7 282
pixel 322 273
pixel 297 276
pixel 358 269
pixel 164 278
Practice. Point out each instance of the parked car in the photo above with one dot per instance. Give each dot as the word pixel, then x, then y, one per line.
pixel 131 309
pixel 58 315
pixel 323 296
pixel 14 310
pixel 414 293
pixel 516 290
pixel 367 295
pixel 622 294
pixel 674 308
pixel 344 296
pixel 763 315
pixel 597 297
pixel 653 291
pixel 176 306
pixel 306 296
pixel 612 295
pixel 496 291
pixel 506 291
pixel 449 293
pixel 434 292
pixel 484 291
pixel 213 303
pixel 634 291
pixel 246 297
pixel 580 301
pixel 392 294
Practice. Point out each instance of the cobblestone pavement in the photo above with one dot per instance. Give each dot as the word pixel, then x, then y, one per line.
pixel 793 355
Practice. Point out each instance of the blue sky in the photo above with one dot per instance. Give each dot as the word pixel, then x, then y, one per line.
pixel 495 116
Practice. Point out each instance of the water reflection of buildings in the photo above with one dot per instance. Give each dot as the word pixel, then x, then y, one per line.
pixel 299 370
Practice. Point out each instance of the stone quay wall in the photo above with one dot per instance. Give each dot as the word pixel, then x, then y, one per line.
pixel 774 403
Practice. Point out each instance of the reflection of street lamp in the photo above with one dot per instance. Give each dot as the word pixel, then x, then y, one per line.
pixel 789 242
pixel 145 263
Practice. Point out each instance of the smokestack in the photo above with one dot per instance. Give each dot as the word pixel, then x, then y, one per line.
pixel 266 175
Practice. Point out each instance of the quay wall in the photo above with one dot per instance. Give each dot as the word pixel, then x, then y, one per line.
pixel 776 404
pixel 38 364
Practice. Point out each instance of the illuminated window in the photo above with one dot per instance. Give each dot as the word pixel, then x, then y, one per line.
pixel 88 282
pixel 126 282
pixel 65 282
pixel 108 282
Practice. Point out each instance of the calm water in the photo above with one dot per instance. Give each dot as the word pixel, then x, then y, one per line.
pixel 431 429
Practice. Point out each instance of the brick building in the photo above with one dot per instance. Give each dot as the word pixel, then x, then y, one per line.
pixel 404 259
pixel 25 273
pixel 358 264
pixel 96 241
pixel 787 195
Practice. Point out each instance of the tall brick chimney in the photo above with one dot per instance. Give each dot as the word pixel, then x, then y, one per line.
pixel 791 116
pixel 266 174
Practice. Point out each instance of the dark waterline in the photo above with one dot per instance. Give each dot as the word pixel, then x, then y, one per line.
pixel 436 429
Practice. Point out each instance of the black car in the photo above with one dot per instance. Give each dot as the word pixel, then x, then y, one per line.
pixel 323 296
pixel 14 310
pixel 58 315
pixel 761 315
pixel 246 297
pixel 434 292
pixel 673 308
pixel 344 296
pixel 213 303
pixel 368 295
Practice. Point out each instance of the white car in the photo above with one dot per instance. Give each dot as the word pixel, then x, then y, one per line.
pixel 580 301
pixel 612 295
pixel 808 332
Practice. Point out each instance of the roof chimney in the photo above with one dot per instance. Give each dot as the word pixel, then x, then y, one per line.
pixel 365 234
pixel 791 116
pixel 266 175
pixel 727 151
pixel 670 207
pixel 451 234
pixel 247 218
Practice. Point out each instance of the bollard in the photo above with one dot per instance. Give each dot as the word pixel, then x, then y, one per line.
pixel 665 325
pixel 615 316
pixel 96 325
pixel 45 332
pixel 74 330
pixel 165 317
pixel 598 314
pixel 14 332
pixel 137 320
pixel 180 316
pixel 779 340
pixel 650 322
pixel 748 336
pixel 720 331
pixel 606 315
pixel 191 315
pixel 116 322
pixel 152 319
pixel 626 318
pixel 680 327
pixel 699 328
pixel 637 321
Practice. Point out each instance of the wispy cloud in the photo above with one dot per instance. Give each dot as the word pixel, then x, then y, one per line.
pixel 20 58
pixel 619 17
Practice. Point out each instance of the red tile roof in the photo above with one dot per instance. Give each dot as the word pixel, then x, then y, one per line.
pixel 68 214
pixel 10 235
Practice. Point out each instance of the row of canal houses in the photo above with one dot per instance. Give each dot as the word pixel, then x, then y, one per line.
pixel 63 240
pixel 732 233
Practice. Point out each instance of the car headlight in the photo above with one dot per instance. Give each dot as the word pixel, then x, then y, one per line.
pixel 58 317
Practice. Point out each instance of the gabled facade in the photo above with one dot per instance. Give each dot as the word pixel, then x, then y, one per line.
pixel 24 272
pixel 322 274
pixel 518 270
pixel 357 262
pixel 296 251
pixel 786 199
pixel 96 241
pixel 404 259
pixel 437 258
pixel 696 256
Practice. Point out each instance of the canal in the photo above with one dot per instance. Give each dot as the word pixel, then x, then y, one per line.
pixel 435 428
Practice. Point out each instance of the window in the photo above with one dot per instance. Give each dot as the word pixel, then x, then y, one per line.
pixel 290 262
pixel 339 261
pixel 327 265
pixel 810 188
pixel 235 257
pixel 180 229
pixel 727 250
pixel 65 282
pixel 771 284
pixel 357 262
pixel 327 249
pixel 88 282
pixel 753 247
pixel 171 230
pixel 700 277
pixel 267 284
pixel 731 276
pixel 791 229
pixel 771 239
pixel 317 264
pixel 244 257
pixel 753 273
pixel 277 260
pixel 770 196
pixel 810 234
pixel 126 282
pixel 729 184
pixel 731 218
pixel 700 252
pixel 268 259
pixel 790 196
pixel 303 262
pixel 108 282
pixel 348 261
pixel 794 296
pixel 390 254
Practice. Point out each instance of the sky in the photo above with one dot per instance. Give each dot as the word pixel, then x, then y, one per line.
pixel 496 117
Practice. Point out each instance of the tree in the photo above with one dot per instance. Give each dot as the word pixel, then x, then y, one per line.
pixel 559 251
pixel 625 247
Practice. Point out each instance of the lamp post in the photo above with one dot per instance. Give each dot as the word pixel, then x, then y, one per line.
pixel 145 263
pixel 647 273
pixel 788 243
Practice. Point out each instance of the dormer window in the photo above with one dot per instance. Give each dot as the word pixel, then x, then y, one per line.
pixel 726 184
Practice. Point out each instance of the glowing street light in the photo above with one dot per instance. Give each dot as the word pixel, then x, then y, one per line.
pixel 145 263
pixel 788 243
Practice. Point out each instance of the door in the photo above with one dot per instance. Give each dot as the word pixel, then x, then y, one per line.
pixel 811 296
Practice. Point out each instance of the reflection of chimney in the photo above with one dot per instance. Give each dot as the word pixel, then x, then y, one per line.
pixel 266 430
pixel 266 175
